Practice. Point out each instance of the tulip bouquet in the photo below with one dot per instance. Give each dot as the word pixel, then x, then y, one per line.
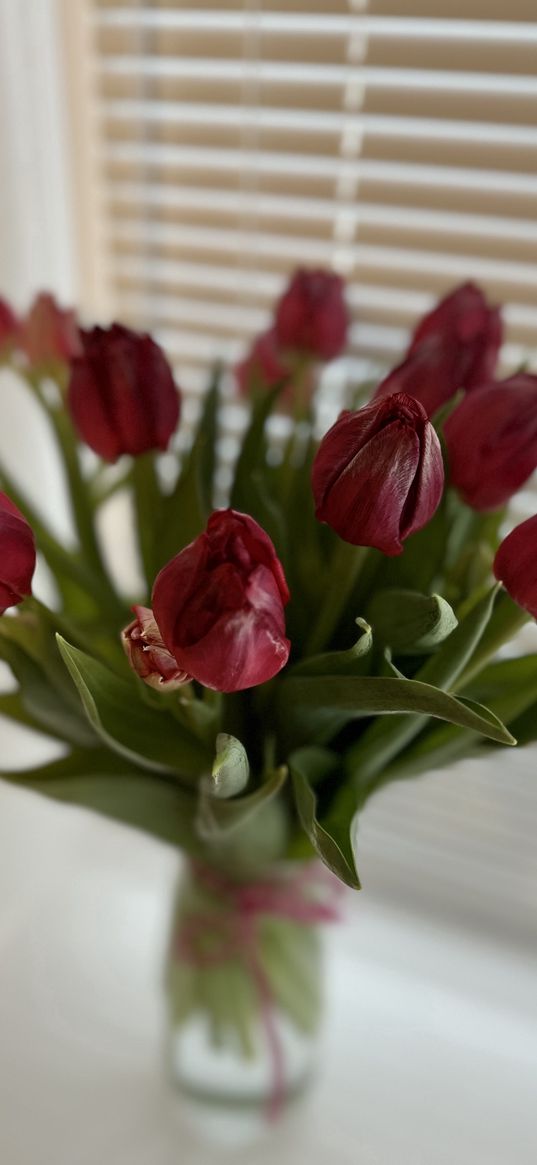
pixel 330 625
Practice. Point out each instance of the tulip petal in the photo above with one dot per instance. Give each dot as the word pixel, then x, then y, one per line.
pixel 515 565
pixel 219 605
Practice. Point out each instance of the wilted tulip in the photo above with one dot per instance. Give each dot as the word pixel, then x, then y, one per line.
pixel 122 394
pixel 9 327
pixel 515 565
pixel 378 474
pixel 148 655
pixel 311 315
pixel 219 605
pixel 49 334
pixel 456 345
pixel 17 555
pixel 492 441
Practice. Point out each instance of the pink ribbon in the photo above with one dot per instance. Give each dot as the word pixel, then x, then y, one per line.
pixel 309 897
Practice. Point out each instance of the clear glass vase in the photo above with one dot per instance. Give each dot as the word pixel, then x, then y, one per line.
pixel 245 985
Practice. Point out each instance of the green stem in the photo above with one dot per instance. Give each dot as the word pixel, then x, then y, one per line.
pixel 147 499
pixel 78 490
pixel 346 564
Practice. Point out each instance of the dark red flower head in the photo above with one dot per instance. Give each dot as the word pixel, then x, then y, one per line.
pixel 311 315
pixel 515 565
pixel 492 441
pixel 456 345
pixel 17 555
pixel 264 366
pixel 219 605
pixel 9 327
pixel 49 333
pixel 122 394
pixel 378 474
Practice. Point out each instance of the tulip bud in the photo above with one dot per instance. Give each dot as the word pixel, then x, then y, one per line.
pixel 492 441
pixel 17 555
pixel 515 565
pixel 456 345
pixel 378 474
pixel 219 605
pixel 49 334
pixel 9 327
pixel 311 315
pixel 147 654
pixel 263 366
pixel 122 395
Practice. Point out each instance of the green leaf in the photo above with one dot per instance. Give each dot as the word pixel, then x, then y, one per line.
pixel 381 742
pixel 308 705
pixel 422 561
pixel 253 450
pixel 334 847
pixel 509 688
pixel 409 622
pixel 218 818
pixel 149 738
pixel 44 705
pixel 184 512
pixel 12 707
pixel 506 619
pixel 262 506
pixel 149 803
pixel 354 661
pixel 445 667
pixel 206 437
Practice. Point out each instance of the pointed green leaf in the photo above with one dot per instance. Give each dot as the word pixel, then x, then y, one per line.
pixel 253 450
pixel 353 662
pixel 45 706
pixel 308 705
pixel 509 688
pixel 381 742
pixel 147 802
pixel 184 512
pixel 219 818
pixel 151 739
pixel 334 847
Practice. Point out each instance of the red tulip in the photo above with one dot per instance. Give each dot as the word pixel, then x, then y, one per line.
pixel 219 605
pixel 492 441
pixel 49 333
pixel 515 565
pixel 122 394
pixel 456 345
pixel 147 654
pixel 311 315
pixel 263 366
pixel 378 474
pixel 9 327
pixel 17 555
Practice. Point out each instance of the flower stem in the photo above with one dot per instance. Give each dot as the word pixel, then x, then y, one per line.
pixel 147 499
pixel 346 564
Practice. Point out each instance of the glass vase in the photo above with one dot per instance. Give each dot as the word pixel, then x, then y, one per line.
pixel 245 984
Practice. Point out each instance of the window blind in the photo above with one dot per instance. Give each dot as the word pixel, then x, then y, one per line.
pixel 238 140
